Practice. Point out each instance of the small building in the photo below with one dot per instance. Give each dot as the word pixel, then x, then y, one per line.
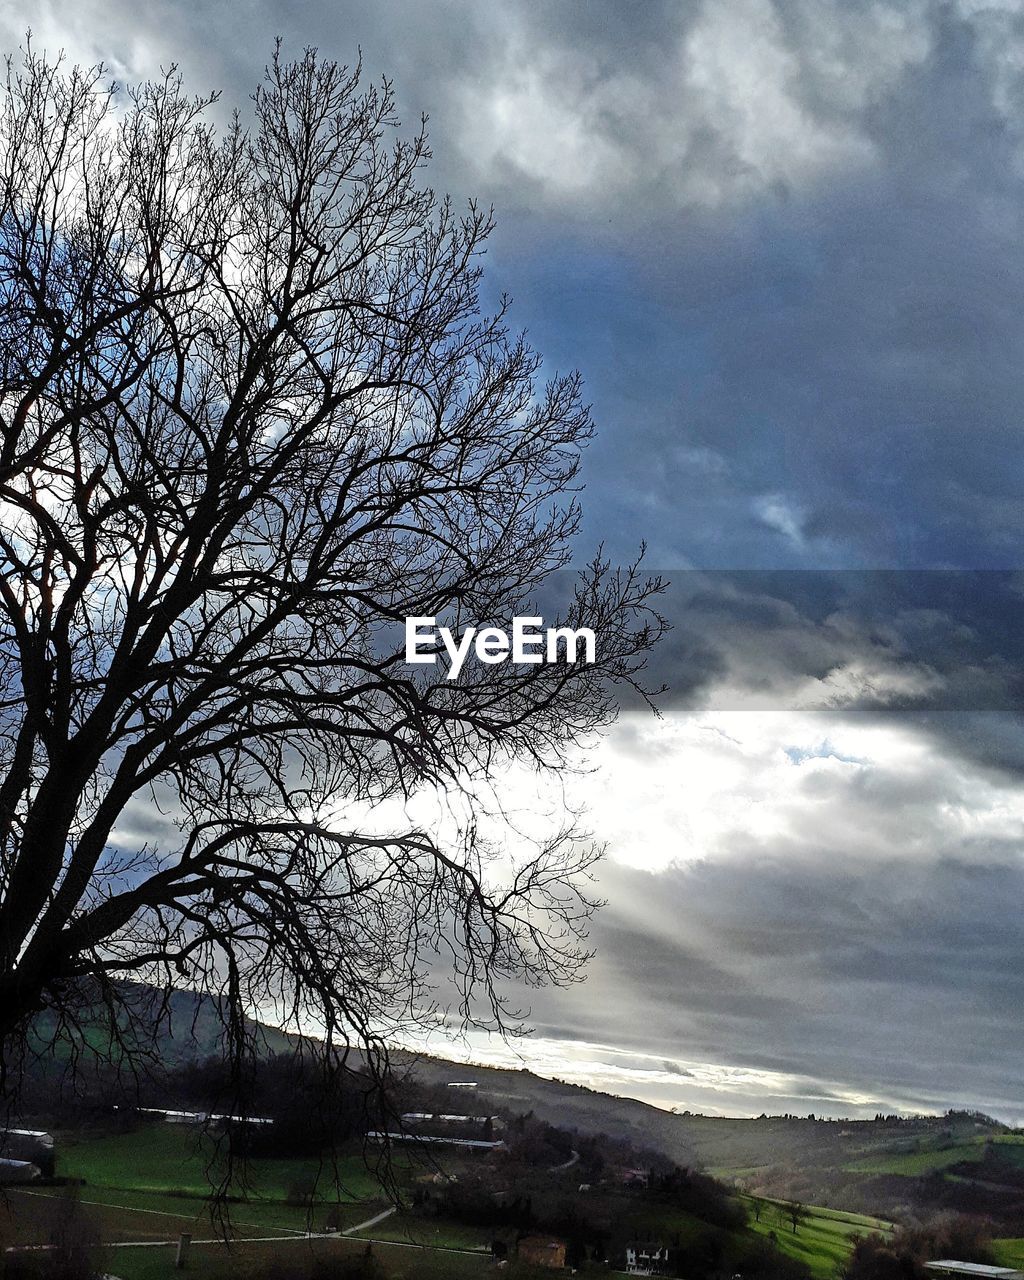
pixel 33 1146
pixel 443 1125
pixel 436 1140
pixel 13 1172
pixel 171 1116
pixel 647 1258
pixel 435 1117
pixel 972 1270
pixel 542 1251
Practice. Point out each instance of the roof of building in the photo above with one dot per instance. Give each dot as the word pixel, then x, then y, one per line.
pixel 19 1170
pixel 980 1269
pixel 411 1117
pixel 376 1135
pixel 197 1117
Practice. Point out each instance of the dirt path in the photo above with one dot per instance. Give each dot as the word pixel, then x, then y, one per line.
pixel 573 1159
pixel 370 1222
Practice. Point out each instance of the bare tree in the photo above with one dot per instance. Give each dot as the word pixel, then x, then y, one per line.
pixel 796 1213
pixel 253 417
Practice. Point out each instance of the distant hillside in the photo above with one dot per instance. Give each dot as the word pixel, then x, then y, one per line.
pixel 178 1027
pixel 569 1106
pixel 962 1160
pixel 958 1160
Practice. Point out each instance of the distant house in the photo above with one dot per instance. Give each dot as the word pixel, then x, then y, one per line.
pixel 435 1117
pixel 33 1146
pixel 542 1251
pixel 647 1259
pixel 635 1177
pixel 429 1125
pixel 972 1270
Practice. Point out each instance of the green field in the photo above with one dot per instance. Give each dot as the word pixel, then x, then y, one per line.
pixel 1010 1149
pixel 173 1160
pixel 1009 1253
pixel 153 1183
pixel 736 1176
pixel 913 1164
pixel 823 1240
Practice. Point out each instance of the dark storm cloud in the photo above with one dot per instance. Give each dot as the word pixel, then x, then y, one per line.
pixel 851 639
pixel 781 240
pixel 825 371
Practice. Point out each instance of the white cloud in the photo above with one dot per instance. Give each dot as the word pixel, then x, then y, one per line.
pixel 703 113
pixel 778 514
pixel 802 787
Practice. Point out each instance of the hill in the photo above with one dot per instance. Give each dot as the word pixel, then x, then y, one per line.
pixel 886 1166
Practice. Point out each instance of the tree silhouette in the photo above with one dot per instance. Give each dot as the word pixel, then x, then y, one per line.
pixel 252 418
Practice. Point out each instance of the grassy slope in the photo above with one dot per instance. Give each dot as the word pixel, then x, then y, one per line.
pixel 149 1184
pixel 1009 1253
pixel 734 1148
pixel 912 1164
pixel 152 1184
pixel 915 1164
pixel 823 1240
pixel 1011 1149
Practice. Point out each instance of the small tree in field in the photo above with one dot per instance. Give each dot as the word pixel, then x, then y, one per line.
pixel 251 418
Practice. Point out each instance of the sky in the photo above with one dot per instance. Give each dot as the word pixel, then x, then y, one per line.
pixel 782 242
